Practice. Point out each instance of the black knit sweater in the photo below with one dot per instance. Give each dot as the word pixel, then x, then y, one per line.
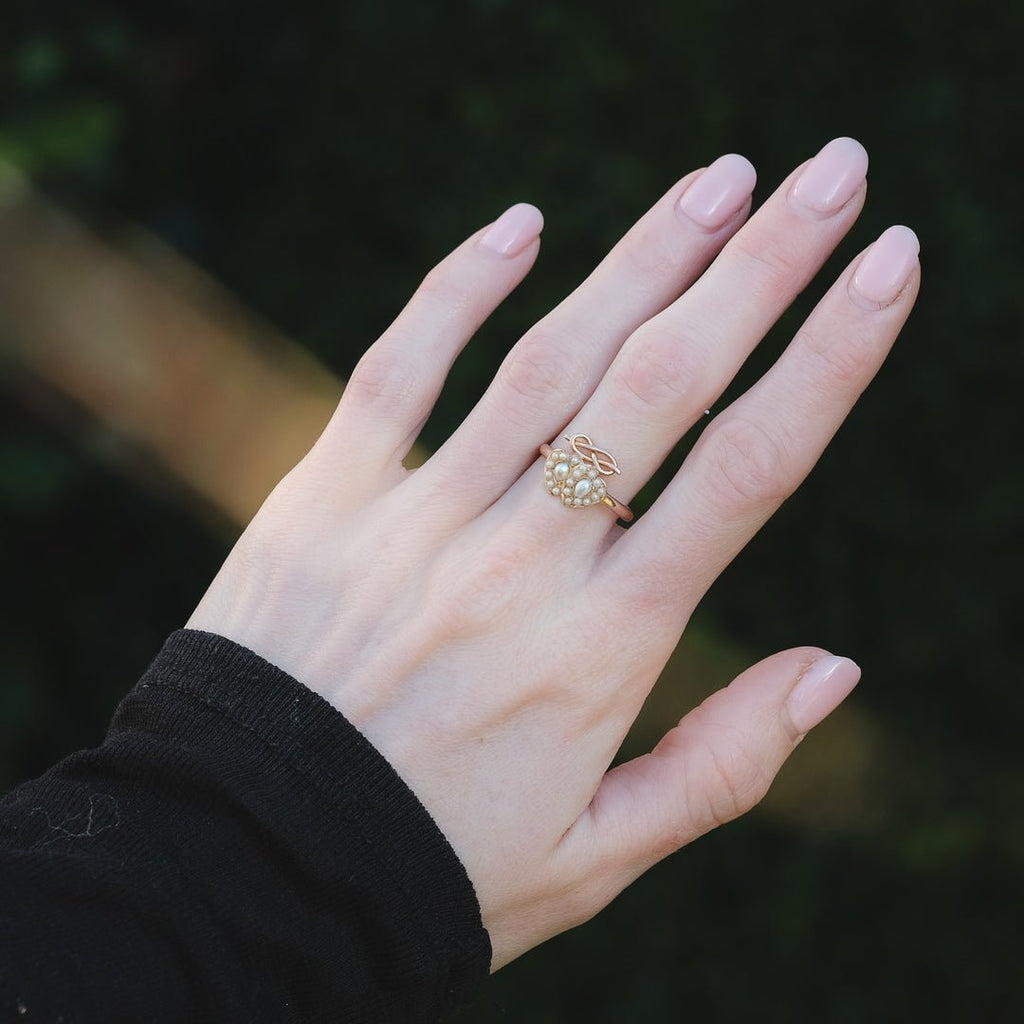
pixel 234 851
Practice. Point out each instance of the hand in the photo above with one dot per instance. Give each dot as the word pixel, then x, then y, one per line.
pixel 496 646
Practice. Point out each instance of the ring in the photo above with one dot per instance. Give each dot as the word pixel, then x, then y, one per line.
pixel 574 476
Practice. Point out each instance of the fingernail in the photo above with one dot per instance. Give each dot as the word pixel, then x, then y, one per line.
pixel 820 690
pixel 885 269
pixel 513 231
pixel 830 180
pixel 715 197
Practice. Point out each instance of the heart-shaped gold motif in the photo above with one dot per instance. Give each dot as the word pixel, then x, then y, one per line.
pixel 573 480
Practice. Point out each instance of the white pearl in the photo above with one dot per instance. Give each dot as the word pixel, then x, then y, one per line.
pixel 561 470
pixel 582 487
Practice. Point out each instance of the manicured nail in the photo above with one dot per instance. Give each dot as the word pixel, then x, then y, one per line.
pixel 715 197
pixel 830 180
pixel 820 690
pixel 513 231
pixel 885 269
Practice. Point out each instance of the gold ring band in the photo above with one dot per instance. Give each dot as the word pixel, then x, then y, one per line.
pixel 575 476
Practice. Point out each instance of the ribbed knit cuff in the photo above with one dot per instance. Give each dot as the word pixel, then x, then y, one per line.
pixel 310 737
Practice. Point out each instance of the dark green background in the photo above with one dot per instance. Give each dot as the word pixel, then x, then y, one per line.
pixel 318 160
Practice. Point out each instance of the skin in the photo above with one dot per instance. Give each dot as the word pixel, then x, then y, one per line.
pixel 496 646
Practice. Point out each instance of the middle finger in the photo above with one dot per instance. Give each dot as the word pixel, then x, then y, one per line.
pixel 555 367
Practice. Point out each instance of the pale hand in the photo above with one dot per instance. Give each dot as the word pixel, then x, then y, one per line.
pixel 495 646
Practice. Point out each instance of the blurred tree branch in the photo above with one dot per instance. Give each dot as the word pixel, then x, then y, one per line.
pixel 145 342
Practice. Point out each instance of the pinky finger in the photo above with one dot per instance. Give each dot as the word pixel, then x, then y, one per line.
pixel 397 381
pixel 712 767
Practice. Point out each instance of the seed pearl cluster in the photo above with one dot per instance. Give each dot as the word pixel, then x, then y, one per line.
pixel 571 480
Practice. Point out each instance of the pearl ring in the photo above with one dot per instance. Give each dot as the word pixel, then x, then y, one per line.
pixel 574 477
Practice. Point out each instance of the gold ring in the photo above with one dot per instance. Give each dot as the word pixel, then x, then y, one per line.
pixel 574 476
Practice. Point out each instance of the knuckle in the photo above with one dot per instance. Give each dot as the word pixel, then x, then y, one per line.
pixel 474 592
pixel 769 265
pixel 739 783
pixel 749 465
pixel 539 366
pixel 386 379
pixel 726 776
pixel 843 357
pixel 442 289
pixel 653 261
pixel 662 372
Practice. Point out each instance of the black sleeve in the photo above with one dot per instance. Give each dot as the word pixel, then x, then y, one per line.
pixel 234 851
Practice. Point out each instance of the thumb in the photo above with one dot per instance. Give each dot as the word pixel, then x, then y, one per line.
pixel 712 767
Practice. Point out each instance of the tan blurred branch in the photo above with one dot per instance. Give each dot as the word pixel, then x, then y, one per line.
pixel 154 348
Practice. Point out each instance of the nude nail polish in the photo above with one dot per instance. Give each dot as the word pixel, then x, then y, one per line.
pixel 513 231
pixel 885 269
pixel 820 690
pixel 830 180
pixel 717 194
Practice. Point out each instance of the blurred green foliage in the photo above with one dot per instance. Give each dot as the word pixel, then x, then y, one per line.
pixel 318 159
